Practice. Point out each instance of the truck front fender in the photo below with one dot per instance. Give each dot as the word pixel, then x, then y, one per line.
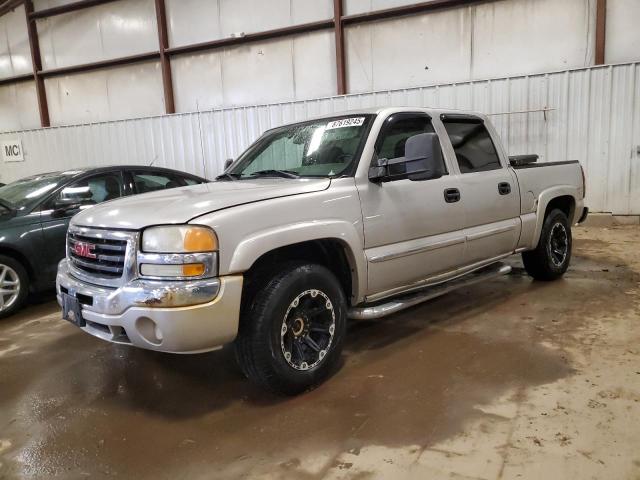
pixel 259 243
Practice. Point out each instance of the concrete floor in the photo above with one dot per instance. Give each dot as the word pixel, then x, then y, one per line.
pixel 511 379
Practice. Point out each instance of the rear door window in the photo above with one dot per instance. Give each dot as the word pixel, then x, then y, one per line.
pixel 145 182
pixel 475 151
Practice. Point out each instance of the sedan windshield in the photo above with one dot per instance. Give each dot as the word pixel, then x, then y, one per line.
pixel 321 148
pixel 26 193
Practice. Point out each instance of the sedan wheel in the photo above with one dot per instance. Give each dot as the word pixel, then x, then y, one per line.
pixel 9 287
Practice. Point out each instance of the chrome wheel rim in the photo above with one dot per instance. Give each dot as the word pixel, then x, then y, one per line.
pixel 307 329
pixel 9 287
pixel 558 245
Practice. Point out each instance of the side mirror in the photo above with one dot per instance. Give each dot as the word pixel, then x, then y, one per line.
pixel 228 162
pixel 422 161
pixel 65 204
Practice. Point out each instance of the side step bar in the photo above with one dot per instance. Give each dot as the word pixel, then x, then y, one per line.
pixel 379 310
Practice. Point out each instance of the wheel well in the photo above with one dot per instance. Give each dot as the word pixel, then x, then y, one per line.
pixel 565 203
pixel 10 252
pixel 329 253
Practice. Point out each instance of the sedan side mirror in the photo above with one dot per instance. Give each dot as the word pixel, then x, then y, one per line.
pixel 422 161
pixel 63 205
pixel 228 162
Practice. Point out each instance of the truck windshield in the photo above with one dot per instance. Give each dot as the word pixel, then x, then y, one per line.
pixel 26 193
pixel 320 148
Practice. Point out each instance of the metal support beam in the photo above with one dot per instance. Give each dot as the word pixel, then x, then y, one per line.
pixel 165 64
pixel 86 67
pixel 341 69
pixel 69 7
pixel 36 62
pixel 9 5
pixel 407 10
pixel 601 30
pixel 252 37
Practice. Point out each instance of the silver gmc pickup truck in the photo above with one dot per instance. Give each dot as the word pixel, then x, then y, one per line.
pixel 352 216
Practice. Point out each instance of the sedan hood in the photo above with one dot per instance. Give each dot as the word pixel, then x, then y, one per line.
pixel 179 205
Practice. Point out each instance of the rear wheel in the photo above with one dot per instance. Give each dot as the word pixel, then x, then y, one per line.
pixel 14 285
pixel 551 257
pixel 292 329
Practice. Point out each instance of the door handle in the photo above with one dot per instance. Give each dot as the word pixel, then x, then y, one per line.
pixel 451 195
pixel 504 188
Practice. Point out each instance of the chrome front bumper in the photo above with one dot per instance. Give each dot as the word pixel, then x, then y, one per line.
pixel 178 317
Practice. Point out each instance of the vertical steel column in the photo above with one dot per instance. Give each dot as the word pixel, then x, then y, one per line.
pixel 165 63
pixel 601 30
pixel 341 68
pixel 36 62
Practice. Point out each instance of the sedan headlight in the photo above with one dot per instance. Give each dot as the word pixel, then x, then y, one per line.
pixel 178 252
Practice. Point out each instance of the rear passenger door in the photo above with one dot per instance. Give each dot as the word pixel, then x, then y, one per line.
pixel 488 187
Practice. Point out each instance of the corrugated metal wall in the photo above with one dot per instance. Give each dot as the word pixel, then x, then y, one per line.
pixel 595 118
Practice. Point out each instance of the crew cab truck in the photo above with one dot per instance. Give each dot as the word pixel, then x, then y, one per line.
pixel 351 216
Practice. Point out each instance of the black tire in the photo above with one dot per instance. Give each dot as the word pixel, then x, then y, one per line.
pixel 552 255
pixel 10 271
pixel 272 325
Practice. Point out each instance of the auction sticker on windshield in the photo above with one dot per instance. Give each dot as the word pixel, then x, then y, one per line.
pixel 346 122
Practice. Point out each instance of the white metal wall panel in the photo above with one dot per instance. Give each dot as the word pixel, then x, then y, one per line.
pixel 118 92
pixel 409 51
pixel 516 37
pixel 279 70
pixel 195 21
pixel 593 116
pixel 192 21
pixel 15 56
pixel 622 42
pixel 352 7
pixel 18 106
pixel 112 30
pixel 44 4
pixel 197 81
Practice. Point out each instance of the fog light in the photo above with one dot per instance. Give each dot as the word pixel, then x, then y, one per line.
pixel 149 330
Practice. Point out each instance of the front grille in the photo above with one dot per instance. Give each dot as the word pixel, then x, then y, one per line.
pixel 109 255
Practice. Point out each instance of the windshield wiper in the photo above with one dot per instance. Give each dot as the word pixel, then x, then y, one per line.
pixel 6 205
pixel 275 173
pixel 227 176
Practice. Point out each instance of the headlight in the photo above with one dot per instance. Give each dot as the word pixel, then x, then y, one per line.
pixel 179 239
pixel 178 252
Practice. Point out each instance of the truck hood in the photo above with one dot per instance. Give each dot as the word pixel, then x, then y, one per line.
pixel 179 205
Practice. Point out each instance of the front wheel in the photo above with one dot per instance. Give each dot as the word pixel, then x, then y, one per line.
pixel 551 257
pixel 14 285
pixel 292 329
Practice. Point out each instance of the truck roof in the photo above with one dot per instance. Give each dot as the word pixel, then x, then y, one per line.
pixel 434 112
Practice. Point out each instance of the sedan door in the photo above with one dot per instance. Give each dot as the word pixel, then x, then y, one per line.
pixel 488 187
pixel 413 229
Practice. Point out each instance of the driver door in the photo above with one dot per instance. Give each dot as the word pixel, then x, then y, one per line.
pixel 412 230
pixel 89 191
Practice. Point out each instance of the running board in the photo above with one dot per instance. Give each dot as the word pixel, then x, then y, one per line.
pixel 379 310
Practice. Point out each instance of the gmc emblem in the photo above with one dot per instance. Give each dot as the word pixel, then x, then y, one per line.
pixel 82 249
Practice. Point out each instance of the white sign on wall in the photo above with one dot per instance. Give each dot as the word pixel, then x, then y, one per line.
pixel 12 151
